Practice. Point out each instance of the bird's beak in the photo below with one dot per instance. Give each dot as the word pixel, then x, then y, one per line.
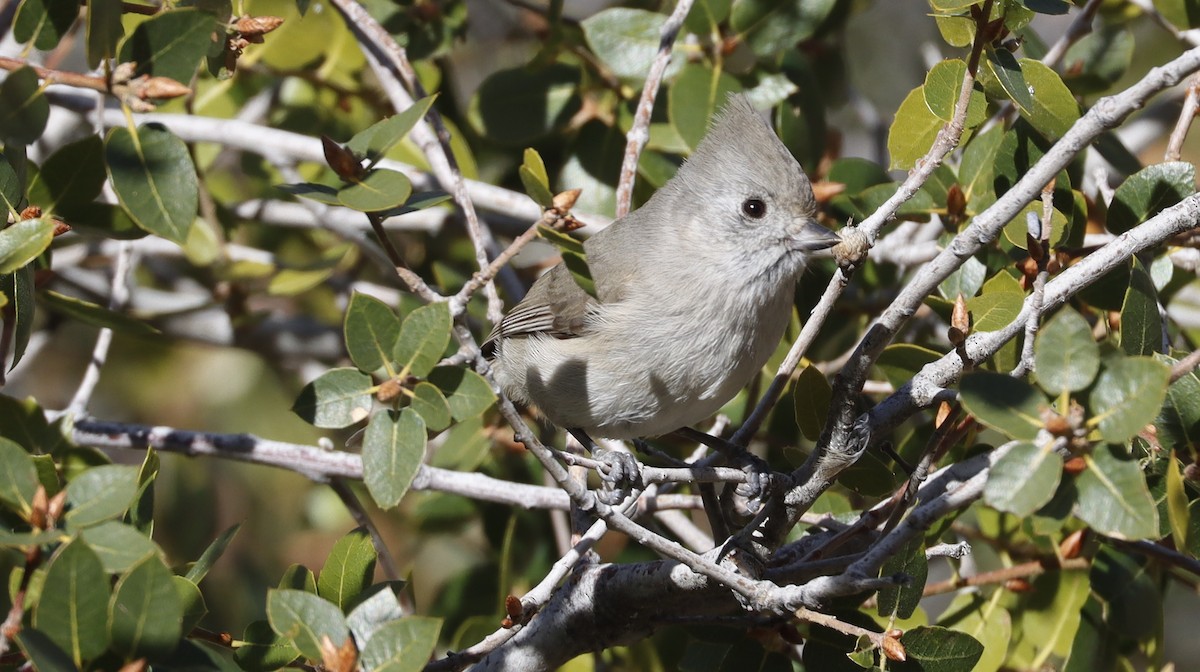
pixel 813 236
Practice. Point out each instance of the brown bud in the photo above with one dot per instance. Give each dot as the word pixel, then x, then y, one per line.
pixel 38 509
pixel 388 390
pixel 825 190
pixel 956 202
pixel 943 412
pixel 60 227
pixel 1075 466
pixel 513 607
pixel 892 648
pixel 343 658
pixel 342 160
pixel 162 88
pixel 255 26
pixel 507 623
pixel 138 665
pixel 1072 546
pixel 1192 472
pixel 960 321
pixel 565 200
pixel 1055 423
pixel 31 212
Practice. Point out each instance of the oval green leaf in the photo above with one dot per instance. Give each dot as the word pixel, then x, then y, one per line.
pixel 518 106
pixel 402 646
pixel 467 393
pixel 73 608
pixel 22 242
pixel 18 477
pixel 154 179
pixel 1113 497
pixel 337 398
pixel 429 403
pixel 145 614
pixel 393 448
pixel 626 40
pixel 1066 357
pixel 348 570
pixel 1004 403
pixel 119 546
pixel 1148 192
pixel 305 619
pixel 101 493
pixel 381 189
pixel 171 44
pixel 423 338
pixel 24 110
pixel 263 650
pixel 913 130
pixel 371 330
pixel 694 97
pixel 1023 480
pixel 1127 396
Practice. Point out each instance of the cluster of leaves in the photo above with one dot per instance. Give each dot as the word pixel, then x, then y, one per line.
pixel 99 590
pixel 417 395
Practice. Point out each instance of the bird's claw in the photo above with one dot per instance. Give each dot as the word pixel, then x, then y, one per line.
pixel 622 476
pixel 754 490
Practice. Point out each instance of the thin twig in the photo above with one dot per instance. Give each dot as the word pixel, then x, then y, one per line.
pixel 639 133
pixel 1080 26
pixel 1191 102
pixel 126 260
pixel 380 48
pixel 833 623
pixel 1025 570
pixel 1038 241
pixel 1186 365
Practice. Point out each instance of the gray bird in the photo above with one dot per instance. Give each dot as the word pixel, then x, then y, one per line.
pixel 694 293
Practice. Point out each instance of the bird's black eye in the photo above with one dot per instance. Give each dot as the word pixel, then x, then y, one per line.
pixel 754 208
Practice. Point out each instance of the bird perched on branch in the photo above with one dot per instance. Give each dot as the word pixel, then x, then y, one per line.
pixel 693 292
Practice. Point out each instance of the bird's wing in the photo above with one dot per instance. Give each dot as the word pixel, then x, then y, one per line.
pixel 555 306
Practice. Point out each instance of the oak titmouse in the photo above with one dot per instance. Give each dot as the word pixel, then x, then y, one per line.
pixel 693 293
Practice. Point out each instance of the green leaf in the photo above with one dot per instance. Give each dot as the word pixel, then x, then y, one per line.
pixel 694 97
pixel 913 130
pixel 22 242
pixel 706 15
pixel 371 330
pixel 1054 109
pixel 402 646
pixel 154 178
pixel 950 6
pixel 100 493
pixel 515 107
pixel 467 393
pixel 1024 479
pixel 119 546
pixel 901 601
pixel 433 408
pixel 337 398
pixel 42 652
pixel 994 310
pixel 934 649
pixel 375 141
pixel 1127 397
pixel 1148 192
pixel 381 189
pixel 104 31
pixel 1002 69
pixel 262 650
pixel 966 280
pixel 171 44
pixel 44 22
pixel 812 394
pixel 943 84
pixel 73 175
pixel 12 185
pixel 900 361
pixel 1099 60
pixel 1004 403
pixel 18 289
pixel 1142 330
pixel 375 611
pixel 18 478
pixel 985 620
pixel 1184 14
pixel 1048 616
pixel 318 192
pixel 299 577
pixel 464 446
pixel 209 557
pixel 423 338
pixel 1113 497
pixel 534 178
pixel 23 109
pixel 304 619
pixel 1179 420
pixel 95 314
pixel 1177 503
pixel 1066 356
pixel 72 609
pixel 774 26
pixel 191 602
pixel 393 448
pixel 626 40
pixel 145 615
pixel 348 570
pixel 1128 586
